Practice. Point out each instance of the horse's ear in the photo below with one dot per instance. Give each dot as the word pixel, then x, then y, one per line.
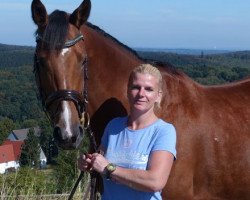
pixel 81 14
pixel 39 14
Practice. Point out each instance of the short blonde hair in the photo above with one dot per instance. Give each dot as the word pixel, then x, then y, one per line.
pixel 148 69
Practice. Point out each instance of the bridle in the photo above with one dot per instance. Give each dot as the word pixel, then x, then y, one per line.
pixel 80 99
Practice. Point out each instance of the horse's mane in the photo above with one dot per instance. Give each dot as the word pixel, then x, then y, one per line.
pixel 112 38
pixel 54 37
pixel 166 65
pixel 55 33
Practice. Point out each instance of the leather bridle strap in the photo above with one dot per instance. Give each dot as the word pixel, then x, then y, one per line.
pixel 68 43
pixel 66 95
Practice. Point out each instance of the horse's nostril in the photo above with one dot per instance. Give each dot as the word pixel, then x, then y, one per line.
pixel 73 139
pixel 57 133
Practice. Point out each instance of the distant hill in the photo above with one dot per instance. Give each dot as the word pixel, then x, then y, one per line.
pixel 229 59
pixel 184 51
pixel 207 69
pixel 15 56
pixel 6 47
pixel 204 66
pixel 18 90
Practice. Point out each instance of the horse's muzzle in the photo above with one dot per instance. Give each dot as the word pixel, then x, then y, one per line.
pixel 68 141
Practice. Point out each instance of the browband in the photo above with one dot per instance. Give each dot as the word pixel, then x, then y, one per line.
pixel 68 43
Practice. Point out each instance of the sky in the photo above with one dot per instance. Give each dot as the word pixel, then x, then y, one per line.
pixel 169 24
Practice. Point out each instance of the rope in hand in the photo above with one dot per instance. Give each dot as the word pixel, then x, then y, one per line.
pixel 93 174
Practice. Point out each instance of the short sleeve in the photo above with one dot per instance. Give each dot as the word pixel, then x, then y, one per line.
pixel 165 139
pixel 110 128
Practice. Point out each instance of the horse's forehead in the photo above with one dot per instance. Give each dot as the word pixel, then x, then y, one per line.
pixel 64 51
pixel 72 30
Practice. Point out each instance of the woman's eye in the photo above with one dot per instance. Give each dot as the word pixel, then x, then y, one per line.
pixel 149 89
pixel 135 87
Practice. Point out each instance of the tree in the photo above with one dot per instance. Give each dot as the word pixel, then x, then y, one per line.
pixel 6 126
pixel 46 140
pixel 66 171
pixel 29 123
pixel 30 155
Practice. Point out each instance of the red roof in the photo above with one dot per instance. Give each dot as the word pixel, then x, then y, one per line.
pixel 10 151
pixel 6 153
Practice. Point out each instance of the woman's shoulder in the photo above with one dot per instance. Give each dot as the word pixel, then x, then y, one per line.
pixel 117 121
pixel 160 127
pixel 163 125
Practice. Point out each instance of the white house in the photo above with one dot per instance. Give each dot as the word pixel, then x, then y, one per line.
pixel 21 135
pixel 9 155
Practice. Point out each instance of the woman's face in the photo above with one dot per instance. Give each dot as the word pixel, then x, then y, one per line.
pixel 143 92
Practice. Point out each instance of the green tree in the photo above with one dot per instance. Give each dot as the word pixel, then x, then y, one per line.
pixel 66 171
pixel 46 140
pixel 6 126
pixel 30 155
pixel 29 123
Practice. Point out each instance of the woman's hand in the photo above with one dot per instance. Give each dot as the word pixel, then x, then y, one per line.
pixel 95 161
pixel 98 162
pixel 84 162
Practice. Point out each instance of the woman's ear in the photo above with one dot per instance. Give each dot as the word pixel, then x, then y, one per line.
pixel 159 98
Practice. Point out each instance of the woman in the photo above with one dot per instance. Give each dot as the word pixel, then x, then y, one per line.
pixel 139 149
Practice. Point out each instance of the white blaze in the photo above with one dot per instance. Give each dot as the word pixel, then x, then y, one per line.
pixel 64 51
pixel 65 116
pixel 66 113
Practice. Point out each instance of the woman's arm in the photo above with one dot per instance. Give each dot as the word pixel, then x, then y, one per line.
pixel 150 180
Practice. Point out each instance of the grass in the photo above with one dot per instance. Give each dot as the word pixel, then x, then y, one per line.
pixel 26 184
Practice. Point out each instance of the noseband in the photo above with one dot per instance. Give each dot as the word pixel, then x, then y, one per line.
pixel 80 99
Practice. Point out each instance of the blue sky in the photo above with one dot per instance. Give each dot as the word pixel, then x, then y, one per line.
pixel 196 24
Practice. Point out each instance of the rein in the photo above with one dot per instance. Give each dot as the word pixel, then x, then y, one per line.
pixel 80 99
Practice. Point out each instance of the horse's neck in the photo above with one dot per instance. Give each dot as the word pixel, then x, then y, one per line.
pixel 181 96
pixel 109 51
pixel 109 67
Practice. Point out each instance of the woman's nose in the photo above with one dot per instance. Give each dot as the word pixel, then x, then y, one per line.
pixel 141 92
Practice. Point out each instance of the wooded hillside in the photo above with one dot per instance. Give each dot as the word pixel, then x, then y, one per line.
pixel 18 100
pixel 207 69
pixel 15 56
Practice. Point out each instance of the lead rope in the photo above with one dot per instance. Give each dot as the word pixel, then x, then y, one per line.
pixel 93 174
pixel 86 125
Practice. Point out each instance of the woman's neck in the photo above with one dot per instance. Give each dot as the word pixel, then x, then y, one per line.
pixel 138 121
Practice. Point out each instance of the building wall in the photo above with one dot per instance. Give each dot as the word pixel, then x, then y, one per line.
pixel 43 158
pixel 6 165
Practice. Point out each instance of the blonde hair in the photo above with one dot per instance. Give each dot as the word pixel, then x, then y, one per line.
pixel 151 70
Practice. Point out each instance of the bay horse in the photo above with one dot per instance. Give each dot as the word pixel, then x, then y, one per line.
pixel 212 123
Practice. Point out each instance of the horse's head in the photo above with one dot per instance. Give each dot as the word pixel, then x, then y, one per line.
pixel 59 65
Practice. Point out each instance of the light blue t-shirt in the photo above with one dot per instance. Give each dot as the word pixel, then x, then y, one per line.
pixel 131 149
